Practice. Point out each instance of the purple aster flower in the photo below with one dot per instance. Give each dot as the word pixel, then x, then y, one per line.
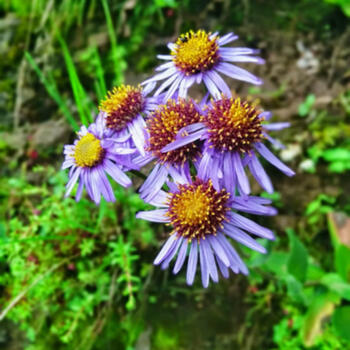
pixel 163 125
pixel 91 158
pixel 123 112
pixel 203 220
pixel 200 56
pixel 234 131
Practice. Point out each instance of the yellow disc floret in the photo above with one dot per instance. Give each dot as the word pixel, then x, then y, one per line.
pixel 122 105
pixel 197 209
pixel 192 207
pixel 233 125
pixel 195 52
pixel 88 151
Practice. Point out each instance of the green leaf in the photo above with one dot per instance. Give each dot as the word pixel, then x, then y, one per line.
pixel 297 261
pixel 305 107
pixel 295 290
pixel 321 307
pixel 342 261
pixel 337 154
pixel 335 283
pixel 341 321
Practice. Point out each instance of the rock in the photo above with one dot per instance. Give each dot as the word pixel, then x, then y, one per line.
pixel 50 133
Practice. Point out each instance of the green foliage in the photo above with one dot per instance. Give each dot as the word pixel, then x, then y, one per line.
pixel 312 297
pixel 306 106
pixel 344 4
pixel 68 263
pixel 341 322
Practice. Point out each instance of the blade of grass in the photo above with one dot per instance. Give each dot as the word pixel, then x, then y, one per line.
pixel 53 92
pixel 100 84
pixel 117 54
pixel 82 100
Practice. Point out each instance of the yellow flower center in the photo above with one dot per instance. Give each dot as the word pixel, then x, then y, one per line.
pixel 163 126
pixel 192 207
pixel 88 151
pixel 233 125
pixel 197 209
pixel 122 105
pixel 195 52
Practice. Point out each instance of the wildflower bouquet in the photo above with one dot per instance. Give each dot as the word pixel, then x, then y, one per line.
pixel 200 152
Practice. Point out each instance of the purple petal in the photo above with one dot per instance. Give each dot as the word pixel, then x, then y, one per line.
pixel 242 178
pixel 251 226
pixel 192 263
pixel 180 258
pixel 171 241
pixel 227 39
pixel 165 57
pixel 157 215
pixel 72 181
pixel 219 251
pixel 150 188
pixel 136 128
pixel 173 88
pixel 161 76
pixel 274 142
pixel 241 237
pixel 204 266
pixel 276 126
pixel 164 66
pixel 241 58
pixel 270 157
pixel 230 175
pixel 166 83
pixel 174 249
pixel 185 140
pixel 67 164
pixel 80 189
pixel 205 166
pixel 260 174
pixel 238 73
pixel 236 262
pixel 212 88
pixel 239 51
pixel 209 257
pixel 95 185
pixel 106 188
pixel 219 82
pixel 116 174
pixel 224 270
pixel 265 115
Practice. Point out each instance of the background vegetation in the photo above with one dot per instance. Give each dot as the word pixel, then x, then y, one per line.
pixel 76 276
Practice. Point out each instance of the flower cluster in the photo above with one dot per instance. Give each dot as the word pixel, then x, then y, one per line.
pixel 200 151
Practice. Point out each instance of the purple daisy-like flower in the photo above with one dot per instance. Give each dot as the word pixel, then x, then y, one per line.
pixel 234 131
pixel 203 219
pixel 124 108
pixel 91 158
pixel 163 125
pixel 200 56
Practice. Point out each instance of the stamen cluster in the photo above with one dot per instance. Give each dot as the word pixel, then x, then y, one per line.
pixel 88 151
pixel 197 209
pixel 164 124
pixel 233 125
pixel 195 52
pixel 122 106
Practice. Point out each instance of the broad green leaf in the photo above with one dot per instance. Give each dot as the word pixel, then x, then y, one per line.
pixel 335 283
pixel 297 261
pixel 342 261
pixel 305 107
pixel 321 307
pixel 295 290
pixel 341 321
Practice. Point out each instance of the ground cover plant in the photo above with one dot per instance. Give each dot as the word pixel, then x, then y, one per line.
pixel 81 276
